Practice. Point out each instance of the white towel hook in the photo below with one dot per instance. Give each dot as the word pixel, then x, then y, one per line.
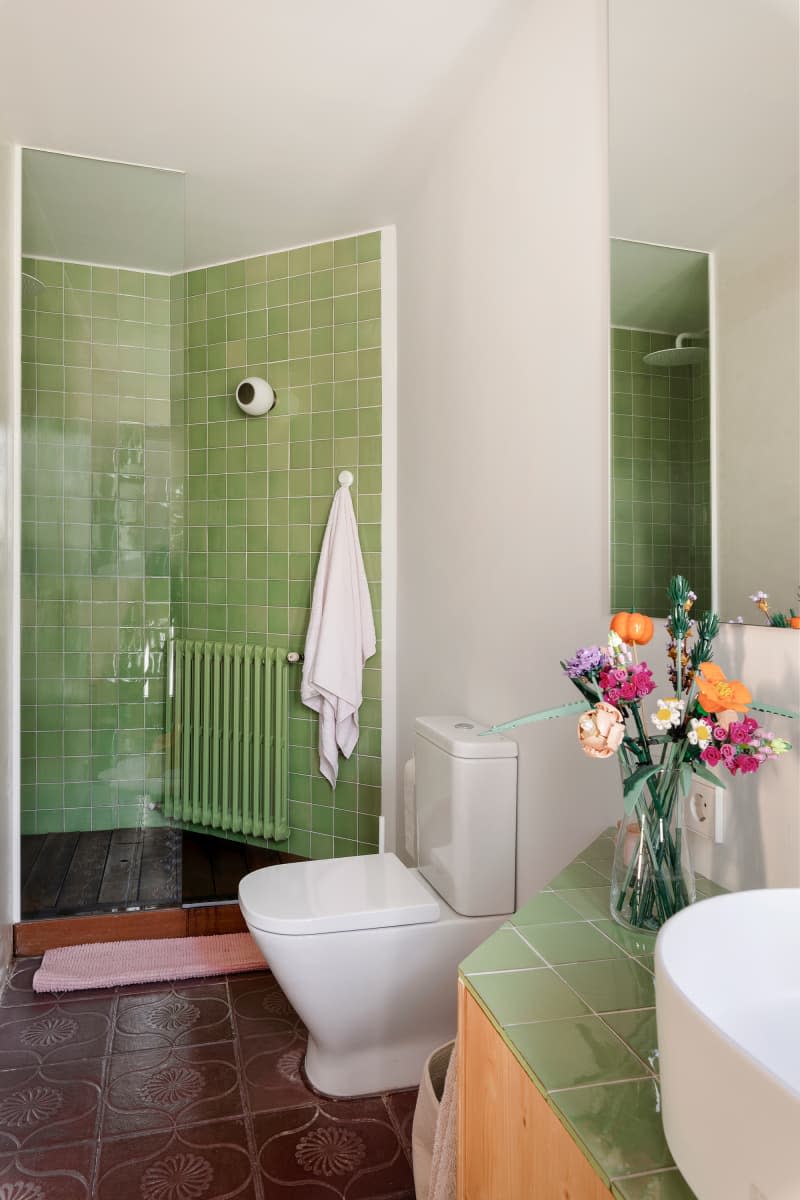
pixel 346 478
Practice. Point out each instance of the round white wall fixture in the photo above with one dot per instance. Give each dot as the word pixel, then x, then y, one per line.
pixel 255 396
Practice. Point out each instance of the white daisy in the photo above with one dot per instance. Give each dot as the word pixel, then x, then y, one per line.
pixel 668 715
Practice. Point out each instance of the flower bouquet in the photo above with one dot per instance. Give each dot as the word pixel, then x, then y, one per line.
pixel 701 728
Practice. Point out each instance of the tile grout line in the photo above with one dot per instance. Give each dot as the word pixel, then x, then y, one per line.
pixel 650 1073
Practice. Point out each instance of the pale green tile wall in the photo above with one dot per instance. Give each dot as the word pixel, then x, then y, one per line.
pixel 150 500
pixel 259 490
pixel 96 512
pixel 660 475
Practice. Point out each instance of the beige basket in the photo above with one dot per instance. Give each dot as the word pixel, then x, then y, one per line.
pixel 425 1115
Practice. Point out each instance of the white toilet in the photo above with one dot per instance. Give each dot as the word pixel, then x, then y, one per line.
pixel 367 949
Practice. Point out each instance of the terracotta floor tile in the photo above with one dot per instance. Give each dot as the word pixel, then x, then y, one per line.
pixel 258 1004
pixel 401 1107
pixel 61 1174
pixel 159 1089
pixel 333 1150
pixel 49 1105
pixel 272 1071
pixel 187 1015
pixel 206 1162
pixel 50 1031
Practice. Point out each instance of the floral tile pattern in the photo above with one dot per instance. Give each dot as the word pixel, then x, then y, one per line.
pixel 176 1016
pixel 50 1032
pixel 51 1105
pixel 341 1149
pixel 63 1174
pixel 209 1161
pixel 183 1092
pixel 157 1089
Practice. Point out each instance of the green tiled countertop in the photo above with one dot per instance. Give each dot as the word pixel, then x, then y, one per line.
pixel 572 994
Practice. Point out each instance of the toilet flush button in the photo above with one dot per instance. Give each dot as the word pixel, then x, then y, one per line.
pixel 464 725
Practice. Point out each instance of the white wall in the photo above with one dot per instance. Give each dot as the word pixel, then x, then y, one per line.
pixel 762 811
pixel 9 619
pixel 757 269
pixel 503 411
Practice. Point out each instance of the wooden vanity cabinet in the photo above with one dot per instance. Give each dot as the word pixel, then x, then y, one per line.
pixel 511 1145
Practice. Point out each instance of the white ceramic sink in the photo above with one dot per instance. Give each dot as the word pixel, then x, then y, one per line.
pixel 728 1011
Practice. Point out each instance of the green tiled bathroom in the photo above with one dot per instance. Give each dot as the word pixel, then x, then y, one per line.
pixel 400 544
pixel 153 508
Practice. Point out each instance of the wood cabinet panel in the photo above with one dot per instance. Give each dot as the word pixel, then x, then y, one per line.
pixel 511 1145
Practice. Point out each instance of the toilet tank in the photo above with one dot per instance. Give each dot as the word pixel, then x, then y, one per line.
pixel 466 804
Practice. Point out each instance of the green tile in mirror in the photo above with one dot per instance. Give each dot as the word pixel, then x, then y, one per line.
pixel 570 943
pixel 662 1185
pixel 638 1030
pixel 529 995
pixel 633 1112
pixel 503 951
pixel 612 985
pixel 575 1053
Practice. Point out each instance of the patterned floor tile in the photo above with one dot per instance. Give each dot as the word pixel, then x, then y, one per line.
pixel 272 1072
pixel 178 1016
pixel 401 1107
pixel 61 1174
pixel 50 1105
pixel 196 1162
pixel 333 1150
pixel 159 1089
pixel 50 1031
pixel 260 1007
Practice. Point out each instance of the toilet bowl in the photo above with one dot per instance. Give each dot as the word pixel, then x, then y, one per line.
pixel 367 949
pixel 374 976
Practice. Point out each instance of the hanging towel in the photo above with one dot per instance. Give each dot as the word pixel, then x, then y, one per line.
pixel 341 637
pixel 445 1143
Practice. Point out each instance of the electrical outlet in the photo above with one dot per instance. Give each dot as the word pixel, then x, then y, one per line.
pixel 705 813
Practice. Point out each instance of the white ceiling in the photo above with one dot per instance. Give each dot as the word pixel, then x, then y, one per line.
pixel 703 115
pixel 294 121
pixel 654 287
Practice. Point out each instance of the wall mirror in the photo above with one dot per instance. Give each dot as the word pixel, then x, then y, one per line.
pixel 705 214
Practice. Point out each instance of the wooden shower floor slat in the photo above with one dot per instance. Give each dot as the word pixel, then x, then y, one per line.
pixel 68 874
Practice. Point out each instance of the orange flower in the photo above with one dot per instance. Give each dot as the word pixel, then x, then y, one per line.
pixel 632 627
pixel 718 693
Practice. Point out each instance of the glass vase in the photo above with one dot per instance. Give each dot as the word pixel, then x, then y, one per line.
pixel 652 876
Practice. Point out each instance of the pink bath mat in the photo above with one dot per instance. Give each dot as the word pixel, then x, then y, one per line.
pixel 150 960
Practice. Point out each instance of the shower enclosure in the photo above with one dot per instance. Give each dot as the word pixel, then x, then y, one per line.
pixel 102 540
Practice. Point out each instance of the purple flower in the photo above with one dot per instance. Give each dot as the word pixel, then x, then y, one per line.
pixel 586 660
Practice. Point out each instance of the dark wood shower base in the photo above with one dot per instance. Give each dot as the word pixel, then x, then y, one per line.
pixel 107 871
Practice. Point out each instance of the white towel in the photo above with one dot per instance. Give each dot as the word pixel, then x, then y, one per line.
pixel 340 639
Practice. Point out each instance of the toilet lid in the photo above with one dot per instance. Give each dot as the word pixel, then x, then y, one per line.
pixel 368 891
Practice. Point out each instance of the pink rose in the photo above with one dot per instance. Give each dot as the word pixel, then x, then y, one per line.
pixel 737 731
pixel 628 690
pixel 711 756
pixel 601 730
pixel 720 733
pixel 728 752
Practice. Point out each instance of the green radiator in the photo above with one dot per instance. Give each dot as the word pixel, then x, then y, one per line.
pixel 226 756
